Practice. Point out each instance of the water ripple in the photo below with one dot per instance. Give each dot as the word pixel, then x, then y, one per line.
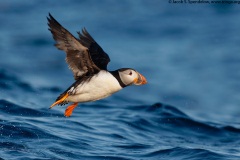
pixel 11 82
pixel 138 132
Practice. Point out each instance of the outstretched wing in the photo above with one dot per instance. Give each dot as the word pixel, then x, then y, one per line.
pixel 99 57
pixel 78 56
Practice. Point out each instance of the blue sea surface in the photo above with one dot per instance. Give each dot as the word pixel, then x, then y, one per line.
pixel 189 53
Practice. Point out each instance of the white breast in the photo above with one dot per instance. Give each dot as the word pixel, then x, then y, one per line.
pixel 100 86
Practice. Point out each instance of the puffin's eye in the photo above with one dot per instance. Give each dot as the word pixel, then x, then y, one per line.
pixel 130 73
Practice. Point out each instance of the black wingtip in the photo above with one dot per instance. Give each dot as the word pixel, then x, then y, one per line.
pixel 49 14
pixel 50 17
pixel 52 21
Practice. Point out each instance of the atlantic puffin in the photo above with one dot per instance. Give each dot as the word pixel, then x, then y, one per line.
pixel 88 62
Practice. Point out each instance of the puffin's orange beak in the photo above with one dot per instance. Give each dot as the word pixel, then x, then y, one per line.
pixel 141 80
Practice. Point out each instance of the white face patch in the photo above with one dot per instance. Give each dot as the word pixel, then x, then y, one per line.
pixel 128 76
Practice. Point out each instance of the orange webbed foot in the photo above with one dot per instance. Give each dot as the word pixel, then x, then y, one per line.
pixel 69 110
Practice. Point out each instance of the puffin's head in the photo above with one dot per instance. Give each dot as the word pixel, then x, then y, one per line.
pixel 131 77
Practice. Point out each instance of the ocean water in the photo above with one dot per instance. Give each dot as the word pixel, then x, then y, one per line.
pixel 189 110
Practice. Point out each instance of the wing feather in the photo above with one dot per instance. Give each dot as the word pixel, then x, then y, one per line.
pixel 78 56
pixel 99 57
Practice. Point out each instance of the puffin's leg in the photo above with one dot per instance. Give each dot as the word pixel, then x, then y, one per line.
pixel 59 101
pixel 69 110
